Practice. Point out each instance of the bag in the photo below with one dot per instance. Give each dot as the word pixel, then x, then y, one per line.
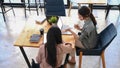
pixel 35 65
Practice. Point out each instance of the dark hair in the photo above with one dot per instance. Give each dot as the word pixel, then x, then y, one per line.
pixel 53 38
pixel 85 12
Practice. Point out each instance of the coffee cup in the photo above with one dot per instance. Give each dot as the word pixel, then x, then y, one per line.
pixel 41 31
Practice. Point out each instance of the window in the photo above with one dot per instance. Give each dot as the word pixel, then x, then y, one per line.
pixel 113 2
pixel 13 1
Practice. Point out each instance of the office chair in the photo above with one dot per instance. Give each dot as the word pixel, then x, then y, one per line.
pixel 54 8
pixel 104 39
pixel 3 5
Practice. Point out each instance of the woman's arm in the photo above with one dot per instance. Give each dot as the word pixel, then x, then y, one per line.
pixel 73 33
pixel 39 55
pixel 76 26
pixel 67 47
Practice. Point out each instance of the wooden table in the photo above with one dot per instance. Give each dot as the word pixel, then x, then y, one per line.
pixel 90 2
pixel 33 28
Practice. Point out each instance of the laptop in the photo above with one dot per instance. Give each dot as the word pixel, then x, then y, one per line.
pixel 45 38
pixel 63 26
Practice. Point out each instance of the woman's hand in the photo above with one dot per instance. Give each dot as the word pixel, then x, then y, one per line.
pixel 76 26
pixel 68 29
pixel 68 44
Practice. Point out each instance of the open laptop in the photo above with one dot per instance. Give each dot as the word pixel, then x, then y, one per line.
pixel 45 36
pixel 63 26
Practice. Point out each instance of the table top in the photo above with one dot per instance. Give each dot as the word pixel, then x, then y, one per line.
pixel 31 28
pixel 90 1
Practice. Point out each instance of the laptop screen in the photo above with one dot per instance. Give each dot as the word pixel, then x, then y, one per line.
pixel 45 38
pixel 62 26
pixel 59 24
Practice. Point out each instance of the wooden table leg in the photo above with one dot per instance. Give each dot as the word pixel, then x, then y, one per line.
pixel 25 56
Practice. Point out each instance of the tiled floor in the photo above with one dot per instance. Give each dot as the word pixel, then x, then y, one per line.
pixel 11 57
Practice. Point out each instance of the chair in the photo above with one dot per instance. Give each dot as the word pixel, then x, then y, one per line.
pixel 109 6
pixel 3 5
pixel 70 6
pixel 54 8
pixel 105 38
pixel 34 65
pixel 28 6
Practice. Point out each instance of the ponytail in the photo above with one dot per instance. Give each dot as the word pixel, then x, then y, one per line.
pixel 93 19
pixel 85 12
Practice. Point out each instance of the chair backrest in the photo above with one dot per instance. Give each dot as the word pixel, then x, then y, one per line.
pixel 54 8
pixel 54 2
pixel 106 36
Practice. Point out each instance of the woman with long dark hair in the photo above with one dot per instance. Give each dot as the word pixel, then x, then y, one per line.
pixel 51 53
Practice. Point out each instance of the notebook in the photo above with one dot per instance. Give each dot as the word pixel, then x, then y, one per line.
pixel 63 26
pixel 35 38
